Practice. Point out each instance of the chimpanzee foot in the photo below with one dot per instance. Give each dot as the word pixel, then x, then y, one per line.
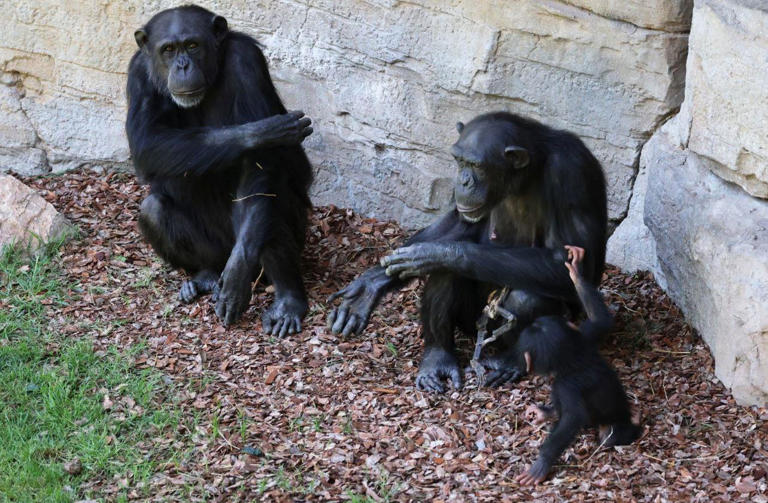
pixel 501 369
pixel 200 284
pixel 284 316
pixel 438 364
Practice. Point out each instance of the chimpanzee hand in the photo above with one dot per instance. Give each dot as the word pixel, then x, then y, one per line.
pixel 535 474
pixel 232 296
pixel 420 259
pixel 575 256
pixel 359 299
pixel 287 129
pixel 438 364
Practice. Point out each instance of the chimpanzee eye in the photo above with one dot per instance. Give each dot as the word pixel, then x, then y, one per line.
pixel 168 48
pixel 192 45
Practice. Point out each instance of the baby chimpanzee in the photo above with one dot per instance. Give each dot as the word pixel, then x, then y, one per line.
pixel 586 391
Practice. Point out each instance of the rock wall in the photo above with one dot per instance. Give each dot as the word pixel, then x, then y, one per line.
pixel 692 219
pixel 384 80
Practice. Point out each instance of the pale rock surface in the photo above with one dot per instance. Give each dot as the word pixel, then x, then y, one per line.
pixel 384 80
pixel 712 244
pixel 632 246
pixel 725 115
pixel 25 217
pixel 705 239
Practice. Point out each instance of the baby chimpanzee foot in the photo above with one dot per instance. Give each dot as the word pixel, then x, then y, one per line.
pixel 535 474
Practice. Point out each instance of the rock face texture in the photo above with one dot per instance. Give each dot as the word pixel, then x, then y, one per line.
pixel 25 217
pixel 384 80
pixel 712 244
pixel 725 107
pixel 704 238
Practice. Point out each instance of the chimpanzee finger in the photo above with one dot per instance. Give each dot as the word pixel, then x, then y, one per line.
pixel 341 319
pixel 429 383
pixel 347 292
pixel 188 292
pixel 266 324
pixel 295 114
pixel 306 132
pixel 350 327
pixel 335 295
pixel 456 378
pixel 397 268
pixel 296 325
pixel 397 256
pixel 496 378
pixel 285 327
pixel 277 327
pixel 331 318
pixel 524 479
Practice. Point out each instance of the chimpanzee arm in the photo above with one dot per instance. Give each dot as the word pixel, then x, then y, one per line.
pixel 362 295
pixel 599 318
pixel 538 270
pixel 162 145
pixel 573 417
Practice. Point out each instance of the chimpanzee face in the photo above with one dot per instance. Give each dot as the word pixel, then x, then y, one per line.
pixel 183 48
pixel 490 168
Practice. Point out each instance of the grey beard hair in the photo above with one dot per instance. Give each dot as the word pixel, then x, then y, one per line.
pixel 187 101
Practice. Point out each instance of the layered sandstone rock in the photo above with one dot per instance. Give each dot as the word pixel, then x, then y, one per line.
pixel 706 239
pixel 384 80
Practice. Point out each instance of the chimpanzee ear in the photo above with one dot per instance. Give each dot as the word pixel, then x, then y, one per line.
pixel 517 155
pixel 459 127
pixel 141 38
pixel 220 27
pixel 528 365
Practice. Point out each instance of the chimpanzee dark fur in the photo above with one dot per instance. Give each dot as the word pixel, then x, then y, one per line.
pixel 523 191
pixel 228 178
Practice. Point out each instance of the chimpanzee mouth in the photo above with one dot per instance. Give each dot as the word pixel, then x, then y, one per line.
pixel 189 99
pixel 471 215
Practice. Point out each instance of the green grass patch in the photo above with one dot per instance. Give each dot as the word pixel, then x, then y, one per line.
pixel 53 409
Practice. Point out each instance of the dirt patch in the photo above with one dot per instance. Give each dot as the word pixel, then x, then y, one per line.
pixel 320 417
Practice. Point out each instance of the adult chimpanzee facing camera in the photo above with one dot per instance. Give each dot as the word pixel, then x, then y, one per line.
pixel 586 391
pixel 228 178
pixel 523 191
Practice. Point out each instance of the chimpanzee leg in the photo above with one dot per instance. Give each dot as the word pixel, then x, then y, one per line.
pixel 186 242
pixel 253 218
pixel 281 260
pixel 448 301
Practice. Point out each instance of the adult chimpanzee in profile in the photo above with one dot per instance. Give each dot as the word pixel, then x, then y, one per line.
pixel 586 391
pixel 228 178
pixel 522 192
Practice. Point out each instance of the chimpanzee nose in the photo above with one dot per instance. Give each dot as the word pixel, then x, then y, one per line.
pixel 182 63
pixel 465 178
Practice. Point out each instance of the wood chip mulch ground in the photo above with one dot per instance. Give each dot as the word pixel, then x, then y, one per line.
pixel 320 417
